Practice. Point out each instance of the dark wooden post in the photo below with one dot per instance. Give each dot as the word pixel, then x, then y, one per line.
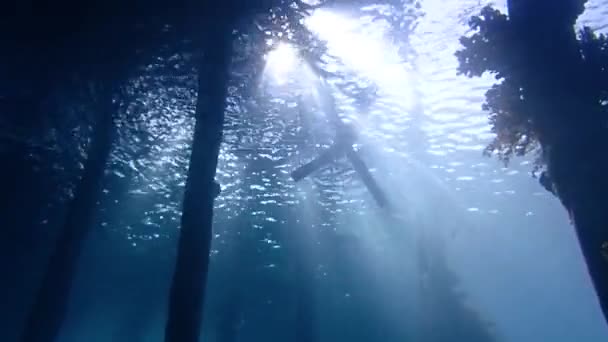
pixel 50 306
pixel 190 275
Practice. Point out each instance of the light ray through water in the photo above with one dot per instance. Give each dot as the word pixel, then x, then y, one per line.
pixel 453 129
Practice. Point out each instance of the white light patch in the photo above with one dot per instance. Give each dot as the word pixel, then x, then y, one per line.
pixel 281 63
pixel 364 48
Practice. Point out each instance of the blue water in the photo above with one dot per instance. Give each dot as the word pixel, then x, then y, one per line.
pixel 505 241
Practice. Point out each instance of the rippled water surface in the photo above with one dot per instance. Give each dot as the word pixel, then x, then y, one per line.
pixel 422 134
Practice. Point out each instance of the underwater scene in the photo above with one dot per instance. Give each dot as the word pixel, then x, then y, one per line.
pixel 306 171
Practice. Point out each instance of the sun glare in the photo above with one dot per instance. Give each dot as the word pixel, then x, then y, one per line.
pixel 281 63
pixel 363 46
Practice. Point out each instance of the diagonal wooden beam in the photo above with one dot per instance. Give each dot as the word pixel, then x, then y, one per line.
pixel 345 138
pixel 321 161
pixel 367 178
pixel 358 164
pixel 344 147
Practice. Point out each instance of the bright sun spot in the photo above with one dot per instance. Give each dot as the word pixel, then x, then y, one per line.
pixel 363 46
pixel 359 44
pixel 281 63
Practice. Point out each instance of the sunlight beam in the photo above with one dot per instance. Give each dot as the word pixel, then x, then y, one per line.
pixel 281 63
pixel 364 48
